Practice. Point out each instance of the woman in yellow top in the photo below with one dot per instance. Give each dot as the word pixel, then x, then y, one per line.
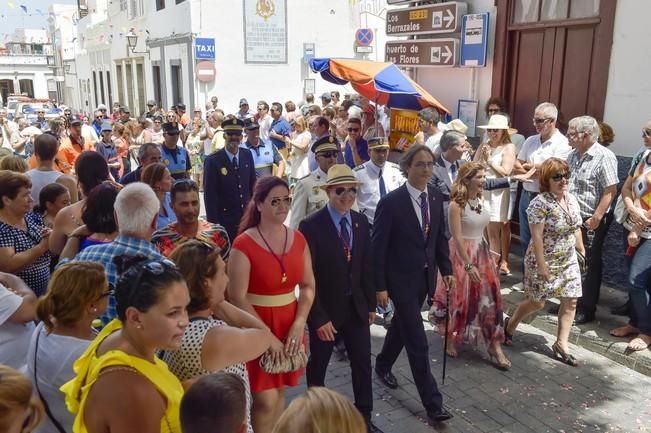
pixel 120 384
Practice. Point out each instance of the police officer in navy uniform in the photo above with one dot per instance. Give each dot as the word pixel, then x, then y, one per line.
pixel 265 153
pixel 308 195
pixel 175 157
pixel 377 177
pixel 229 177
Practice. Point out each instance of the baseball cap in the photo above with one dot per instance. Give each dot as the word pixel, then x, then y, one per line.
pixel 106 127
pixel 151 102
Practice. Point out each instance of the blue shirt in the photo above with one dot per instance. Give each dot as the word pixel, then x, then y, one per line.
pixel 362 149
pixel 336 219
pixel 104 255
pixel 280 126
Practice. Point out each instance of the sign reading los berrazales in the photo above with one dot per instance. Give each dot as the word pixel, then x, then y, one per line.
pixel 438 18
pixel 204 48
pixel 422 53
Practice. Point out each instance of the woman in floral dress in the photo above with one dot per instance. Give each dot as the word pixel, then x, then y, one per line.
pixel 475 305
pixel 551 269
pixel 194 144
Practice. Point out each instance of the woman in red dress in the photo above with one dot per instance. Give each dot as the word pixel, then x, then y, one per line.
pixel 266 263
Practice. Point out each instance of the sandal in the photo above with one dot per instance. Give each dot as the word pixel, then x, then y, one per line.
pixel 503 365
pixel 564 356
pixel 504 269
pixel 623 331
pixel 639 343
pixel 508 338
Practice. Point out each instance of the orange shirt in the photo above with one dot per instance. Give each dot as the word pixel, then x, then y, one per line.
pixel 69 151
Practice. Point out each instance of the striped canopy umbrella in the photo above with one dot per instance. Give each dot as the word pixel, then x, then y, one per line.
pixel 380 82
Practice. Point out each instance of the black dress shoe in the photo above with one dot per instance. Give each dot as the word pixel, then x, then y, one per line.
pixel 387 378
pixel 622 310
pixel 582 317
pixel 439 415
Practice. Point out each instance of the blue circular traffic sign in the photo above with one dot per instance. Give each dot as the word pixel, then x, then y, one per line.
pixel 364 37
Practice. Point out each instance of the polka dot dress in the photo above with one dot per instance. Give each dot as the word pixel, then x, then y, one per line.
pixel 37 274
pixel 185 363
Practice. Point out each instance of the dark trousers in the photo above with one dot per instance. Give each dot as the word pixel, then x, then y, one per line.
pixel 407 331
pixel 591 283
pixel 356 335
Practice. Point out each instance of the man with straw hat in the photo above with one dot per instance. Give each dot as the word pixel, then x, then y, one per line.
pixel 344 306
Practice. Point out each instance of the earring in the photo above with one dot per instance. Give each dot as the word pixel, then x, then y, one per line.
pixel 94 310
pixel 139 326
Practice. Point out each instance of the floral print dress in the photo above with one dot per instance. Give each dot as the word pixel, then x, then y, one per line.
pixel 558 246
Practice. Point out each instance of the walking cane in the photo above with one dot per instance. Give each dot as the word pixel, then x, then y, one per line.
pixel 447 324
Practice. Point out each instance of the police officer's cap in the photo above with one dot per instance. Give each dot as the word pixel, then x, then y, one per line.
pixel 233 124
pixel 377 143
pixel 250 124
pixel 324 144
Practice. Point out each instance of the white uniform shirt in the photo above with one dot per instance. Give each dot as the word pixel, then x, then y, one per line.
pixel 368 194
pixel 535 152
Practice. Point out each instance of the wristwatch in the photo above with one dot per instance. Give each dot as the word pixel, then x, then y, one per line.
pixel 468 266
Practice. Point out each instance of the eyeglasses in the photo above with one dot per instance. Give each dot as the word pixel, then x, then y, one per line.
pixel 353 129
pixel 574 135
pixel 423 164
pixel 341 190
pixel 275 202
pixel 646 133
pixel 560 176
pixel 538 120
pixel 330 154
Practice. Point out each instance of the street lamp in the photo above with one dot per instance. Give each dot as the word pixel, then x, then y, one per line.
pixel 132 41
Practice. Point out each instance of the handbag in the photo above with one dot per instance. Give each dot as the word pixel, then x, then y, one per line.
pixel 620 211
pixel 287 364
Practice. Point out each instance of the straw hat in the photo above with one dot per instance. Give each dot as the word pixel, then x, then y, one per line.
pixel 340 174
pixel 458 126
pixel 496 121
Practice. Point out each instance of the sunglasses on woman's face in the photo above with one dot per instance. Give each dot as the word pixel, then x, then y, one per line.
pixel 341 190
pixel 492 130
pixel 287 201
pixel 560 176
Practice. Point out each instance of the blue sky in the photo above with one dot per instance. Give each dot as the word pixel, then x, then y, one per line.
pixel 16 18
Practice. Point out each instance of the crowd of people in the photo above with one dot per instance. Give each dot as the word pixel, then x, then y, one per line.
pixel 125 309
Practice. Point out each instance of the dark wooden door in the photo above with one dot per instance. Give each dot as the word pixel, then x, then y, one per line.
pixel 562 60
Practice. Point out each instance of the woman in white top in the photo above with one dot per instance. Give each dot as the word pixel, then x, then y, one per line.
pixel 77 294
pixel 157 131
pixel 219 336
pixel 17 315
pixel 299 145
pixel 498 155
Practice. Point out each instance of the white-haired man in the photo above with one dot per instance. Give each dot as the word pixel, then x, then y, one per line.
pixel 547 143
pixel 593 181
pixel 136 213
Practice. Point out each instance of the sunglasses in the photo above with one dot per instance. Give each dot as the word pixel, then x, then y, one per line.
pixel 353 129
pixel 560 176
pixel 493 111
pixel 152 267
pixel 172 133
pixel 234 133
pixel 329 154
pixel 646 133
pixel 538 120
pixel 98 117
pixel 493 130
pixel 341 190
pixel 275 202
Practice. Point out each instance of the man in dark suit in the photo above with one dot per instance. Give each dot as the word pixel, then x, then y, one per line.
pixel 409 247
pixel 340 245
pixel 229 177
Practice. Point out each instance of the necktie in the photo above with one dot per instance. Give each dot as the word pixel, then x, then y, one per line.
pixel 345 236
pixel 453 172
pixel 424 213
pixel 235 166
pixel 383 187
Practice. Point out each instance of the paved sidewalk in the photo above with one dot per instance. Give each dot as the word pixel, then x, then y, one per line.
pixel 538 394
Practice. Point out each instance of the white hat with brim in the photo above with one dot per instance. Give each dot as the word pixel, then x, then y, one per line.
pixel 496 121
pixel 340 174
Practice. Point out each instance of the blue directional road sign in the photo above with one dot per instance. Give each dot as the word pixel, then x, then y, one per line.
pixel 474 40
pixel 364 37
pixel 204 48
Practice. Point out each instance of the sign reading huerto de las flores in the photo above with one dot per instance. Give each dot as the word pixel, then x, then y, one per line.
pixel 423 53
pixel 438 18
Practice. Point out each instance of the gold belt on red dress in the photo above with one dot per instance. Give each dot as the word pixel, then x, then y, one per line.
pixel 271 300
